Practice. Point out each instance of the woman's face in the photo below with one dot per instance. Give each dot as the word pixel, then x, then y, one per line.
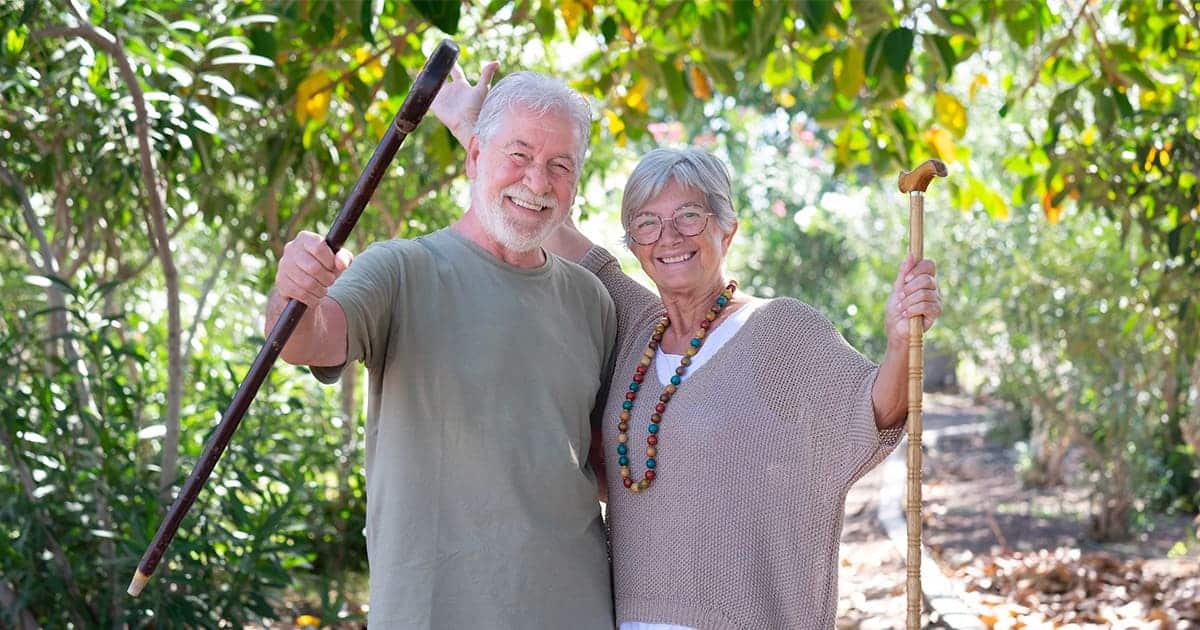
pixel 678 263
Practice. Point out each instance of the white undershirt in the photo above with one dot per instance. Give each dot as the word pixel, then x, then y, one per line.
pixel 665 367
pixel 666 363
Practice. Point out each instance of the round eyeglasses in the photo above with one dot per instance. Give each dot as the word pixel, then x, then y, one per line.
pixel 646 228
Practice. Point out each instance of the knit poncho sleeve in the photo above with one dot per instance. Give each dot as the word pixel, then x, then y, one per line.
pixel 636 305
pixel 807 373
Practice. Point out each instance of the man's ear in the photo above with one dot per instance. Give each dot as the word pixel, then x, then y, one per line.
pixel 472 156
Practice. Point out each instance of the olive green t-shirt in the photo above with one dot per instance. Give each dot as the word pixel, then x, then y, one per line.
pixel 481 507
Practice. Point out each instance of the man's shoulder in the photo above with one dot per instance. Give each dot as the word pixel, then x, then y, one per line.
pixel 580 278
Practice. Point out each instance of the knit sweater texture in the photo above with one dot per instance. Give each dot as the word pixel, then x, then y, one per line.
pixel 757 451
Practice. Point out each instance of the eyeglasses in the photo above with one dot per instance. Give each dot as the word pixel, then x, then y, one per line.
pixel 646 228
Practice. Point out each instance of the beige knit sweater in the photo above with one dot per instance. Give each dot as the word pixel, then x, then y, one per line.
pixel 756 453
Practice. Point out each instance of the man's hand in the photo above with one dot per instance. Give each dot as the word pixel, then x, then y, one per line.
pixel 306 270
pixel 458 103
pixel 308 267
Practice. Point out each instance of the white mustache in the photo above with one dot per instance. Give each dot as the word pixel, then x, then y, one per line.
pixel 522 192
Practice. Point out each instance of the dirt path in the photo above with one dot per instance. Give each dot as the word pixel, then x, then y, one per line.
pixel 1021 555
pixel 871 570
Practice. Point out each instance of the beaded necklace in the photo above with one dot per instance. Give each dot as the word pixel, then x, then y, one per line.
pixel 639 375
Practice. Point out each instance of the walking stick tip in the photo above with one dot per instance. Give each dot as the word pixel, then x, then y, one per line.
pixel 138 583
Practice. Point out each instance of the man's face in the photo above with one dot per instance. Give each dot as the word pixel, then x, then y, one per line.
pixel 524 178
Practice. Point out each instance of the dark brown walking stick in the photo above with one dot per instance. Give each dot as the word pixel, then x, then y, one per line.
pixel 424 88
pixel 914 183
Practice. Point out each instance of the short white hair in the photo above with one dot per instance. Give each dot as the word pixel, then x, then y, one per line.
pixel 690 168
pixel 540 94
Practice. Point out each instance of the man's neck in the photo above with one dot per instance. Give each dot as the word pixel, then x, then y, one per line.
pixel 470 228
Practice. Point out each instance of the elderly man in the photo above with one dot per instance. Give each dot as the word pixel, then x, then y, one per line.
pixel 486 357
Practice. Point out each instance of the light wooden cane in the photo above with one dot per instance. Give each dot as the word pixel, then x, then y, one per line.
pixel 914 183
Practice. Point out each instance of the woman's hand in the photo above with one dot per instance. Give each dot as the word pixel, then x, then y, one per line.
pixel 458 102
pixel 914 293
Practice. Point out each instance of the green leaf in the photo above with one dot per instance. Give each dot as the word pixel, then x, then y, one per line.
pixel 1123 104
pixel 608 29
pixel 396 79
pixel 849 72
pixel 897 47
pixel 677 89
pixel 816 14
pixel 543 21
pixel 14 39
pixel 952 22
pixel 262 43
pixel 326 24
pixel 873 56
pixel 942 52
pixel 778 70
pixel 368 13
pixel 822 66
pixel 444 15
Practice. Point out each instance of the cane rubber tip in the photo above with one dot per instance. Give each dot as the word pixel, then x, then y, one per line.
pixel 138 583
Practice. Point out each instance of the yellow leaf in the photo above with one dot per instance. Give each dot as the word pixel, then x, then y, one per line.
pixel 950 113
pixel 615 124
pixel 1150 159
pixel 786 99
pixel 700 86
pixel 1053 212
pixel 571 12
pixel 370 71
pixel 312 98
pixel 942 143
pixel 979 81
pixel 377 119
pixel 636 97
pixel 1089 136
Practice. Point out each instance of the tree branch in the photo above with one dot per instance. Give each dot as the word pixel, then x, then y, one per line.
pixel 155 207
pixel 1190 12
pixel 9 600
pixel 409 204
pixel 1054 50
pixel 28 486
pixel 227 252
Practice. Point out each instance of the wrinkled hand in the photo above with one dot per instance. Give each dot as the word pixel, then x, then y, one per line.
pixel 458 103
pixel 915 292
pixel 308 267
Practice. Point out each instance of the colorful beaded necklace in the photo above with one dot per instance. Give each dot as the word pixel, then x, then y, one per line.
pixel 639 375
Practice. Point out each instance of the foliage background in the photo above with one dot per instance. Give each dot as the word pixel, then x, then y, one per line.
pixel 155 156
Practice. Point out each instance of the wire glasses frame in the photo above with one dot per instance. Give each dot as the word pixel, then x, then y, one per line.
pixel 689 220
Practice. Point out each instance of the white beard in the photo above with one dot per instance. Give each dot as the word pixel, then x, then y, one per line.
pixel 502 228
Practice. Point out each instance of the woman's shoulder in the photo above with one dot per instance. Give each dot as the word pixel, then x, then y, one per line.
pixel 788 311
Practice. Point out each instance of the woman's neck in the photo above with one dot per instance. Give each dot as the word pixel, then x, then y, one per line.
pixel 687 309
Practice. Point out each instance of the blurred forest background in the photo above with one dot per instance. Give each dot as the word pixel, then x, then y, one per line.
pixel 155 156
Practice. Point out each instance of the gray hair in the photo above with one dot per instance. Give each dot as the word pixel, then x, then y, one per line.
pixel 542 95
pixel 690 168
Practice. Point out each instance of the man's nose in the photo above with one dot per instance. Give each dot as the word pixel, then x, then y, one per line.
pixel 537 179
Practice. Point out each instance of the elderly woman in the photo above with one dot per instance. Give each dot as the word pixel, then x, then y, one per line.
pixel 734 425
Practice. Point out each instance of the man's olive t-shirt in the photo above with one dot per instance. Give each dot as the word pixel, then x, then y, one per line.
pixel 481 507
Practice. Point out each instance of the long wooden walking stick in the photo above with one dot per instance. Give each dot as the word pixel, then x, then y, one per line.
pixel 424 88
pixel 913 183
